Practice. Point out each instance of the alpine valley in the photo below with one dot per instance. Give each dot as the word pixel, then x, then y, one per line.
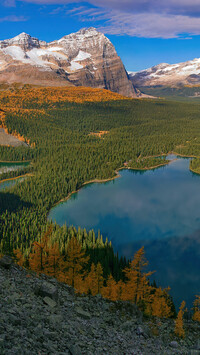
pixel 95 193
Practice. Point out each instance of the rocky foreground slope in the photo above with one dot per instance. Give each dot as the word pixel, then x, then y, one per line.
pixel 42 316
pixel 85 58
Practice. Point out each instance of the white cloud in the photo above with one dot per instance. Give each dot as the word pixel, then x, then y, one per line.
pixel 13 18
pixel 169 6
pixel 141 18
pixel 9 3
pixel 150 25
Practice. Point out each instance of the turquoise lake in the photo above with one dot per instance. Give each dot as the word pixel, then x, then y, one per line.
pixel 159 209
pixel 8 167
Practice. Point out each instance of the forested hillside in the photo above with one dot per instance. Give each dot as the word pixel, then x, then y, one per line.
pixel 57 125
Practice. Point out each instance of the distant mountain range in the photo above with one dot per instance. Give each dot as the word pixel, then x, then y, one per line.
pixel 171 75
pixel 85 58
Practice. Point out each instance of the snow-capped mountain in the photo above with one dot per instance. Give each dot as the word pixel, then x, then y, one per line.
pixel 85 58
pixel 186 73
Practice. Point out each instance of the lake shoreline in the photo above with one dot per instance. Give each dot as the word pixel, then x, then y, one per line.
pixel 15 178
pixel 15 162
pixel 101 181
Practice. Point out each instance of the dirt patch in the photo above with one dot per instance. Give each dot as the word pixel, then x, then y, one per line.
pixel 98 134
pixel 9 140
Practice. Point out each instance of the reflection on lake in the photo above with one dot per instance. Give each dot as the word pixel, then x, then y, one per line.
pixel 158 209
pixel 10 183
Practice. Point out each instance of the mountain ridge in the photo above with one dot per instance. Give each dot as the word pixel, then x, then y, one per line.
pixel 164 74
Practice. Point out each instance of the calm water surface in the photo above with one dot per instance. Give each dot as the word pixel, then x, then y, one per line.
pixel 7 167
pixel 159 209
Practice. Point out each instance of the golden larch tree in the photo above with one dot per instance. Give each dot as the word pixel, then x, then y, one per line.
pixel 19 257
pixel 76 261
pixel 110 290
pixel 91 281
pixel 159 306
pixel 196 315
pixel 120 288
pixel 137 286
pixel 179 329
pixel 54 263
pixel 38 256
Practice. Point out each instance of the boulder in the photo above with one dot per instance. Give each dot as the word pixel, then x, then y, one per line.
pixel 174 344
pixel 51 303
pixel 81 313
pixel 6 262
pixel 46 289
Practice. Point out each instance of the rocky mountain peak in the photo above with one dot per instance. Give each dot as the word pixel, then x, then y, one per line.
pixel 89 38
pixel 24 40
pixel 86 32
pixel 84 58
pixel 21 36
pixel 89 31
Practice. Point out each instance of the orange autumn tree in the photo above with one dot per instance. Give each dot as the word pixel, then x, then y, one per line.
pixel 110 291
pixel 196 315
pixel 120 289
pixel 55 263
pixel 38 256
pixel 76 261
pixel 91 281
pixel 137 287
pixel 159 306
pixel 179 330
pixel 19 257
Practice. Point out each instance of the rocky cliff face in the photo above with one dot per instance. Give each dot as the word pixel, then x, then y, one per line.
pixel 85 58
pixel 42 316
pixel 186 73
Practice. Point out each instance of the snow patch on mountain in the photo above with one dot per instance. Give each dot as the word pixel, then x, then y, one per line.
pixel 82 56
pixel 168 74
pixel 75 66
pixel 34 56
pixel 15 52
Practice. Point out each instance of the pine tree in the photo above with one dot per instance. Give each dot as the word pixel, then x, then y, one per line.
pixel 100 279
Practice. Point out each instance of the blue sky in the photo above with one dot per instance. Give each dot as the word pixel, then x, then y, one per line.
pixel 144 32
